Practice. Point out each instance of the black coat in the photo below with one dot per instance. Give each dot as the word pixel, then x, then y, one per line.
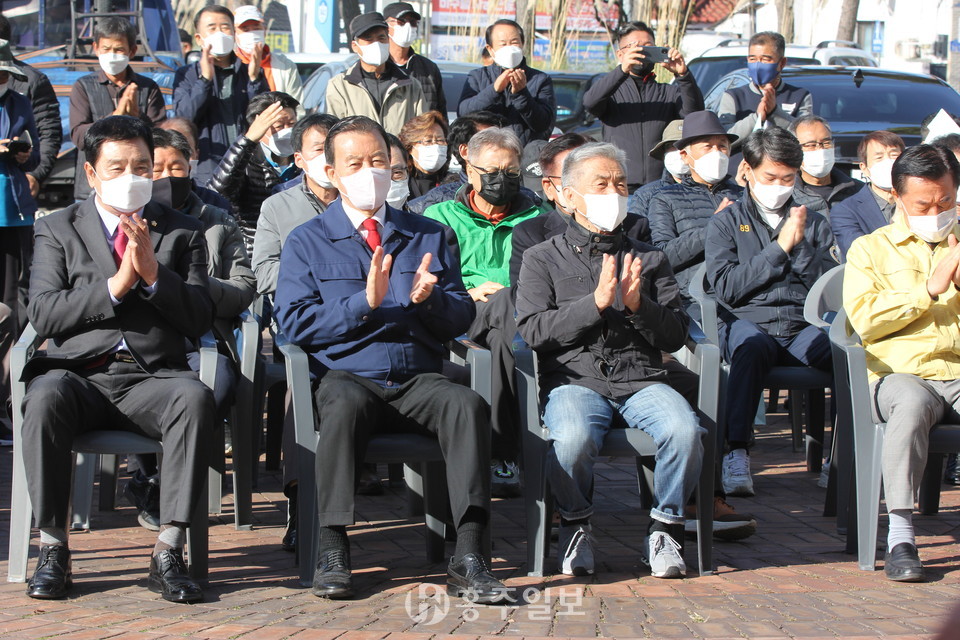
pixel 46 115
pixel 752 276
pixel 678 217
pixel 530 113
pixel 634 118
pixel 615 353
pixel 431 81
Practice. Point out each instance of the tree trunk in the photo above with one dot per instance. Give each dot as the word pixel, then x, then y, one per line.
pixel 785 17
pixel 526 11
pixel 349 9
pixel 847 29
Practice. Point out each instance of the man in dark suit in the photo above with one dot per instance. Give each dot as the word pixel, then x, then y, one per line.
pixel 118 287
pixel 373 293
pixel 873 205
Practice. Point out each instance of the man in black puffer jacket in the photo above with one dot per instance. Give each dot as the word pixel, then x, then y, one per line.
pixel 679 214
pixel 258 160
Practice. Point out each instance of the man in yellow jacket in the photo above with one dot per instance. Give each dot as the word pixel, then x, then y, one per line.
pixel 375 87
pixel 901 291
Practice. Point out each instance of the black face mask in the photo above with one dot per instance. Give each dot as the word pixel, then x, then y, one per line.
pixel 172 191
pixel 498 188
pixel 643 68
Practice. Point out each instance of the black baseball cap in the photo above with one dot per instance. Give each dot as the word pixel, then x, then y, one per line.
pixel 399 9
pixel 364 22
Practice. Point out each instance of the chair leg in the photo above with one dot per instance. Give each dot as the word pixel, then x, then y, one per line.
pixel 198 541
pixel 435 503
pixel 275 410
pixel 416 498
pixel 816 414
pixel 241 436
pixel 797 403
pixel 868 500
pixel 82 501
pixel 929 501
pixel 645 482
pixel 831 499
pixel 21 516
pixel 109 472
pixel 214 477
pixel 535 503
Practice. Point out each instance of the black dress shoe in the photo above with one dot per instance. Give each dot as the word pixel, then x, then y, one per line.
pixel 902 563
pixel 53 576
pixel 952 474
pixel 470 577
pixel 169 577
pixel 332 577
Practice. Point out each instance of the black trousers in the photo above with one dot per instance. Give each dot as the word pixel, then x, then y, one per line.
pixel 351 409
pixel 495 328
pixel 61 404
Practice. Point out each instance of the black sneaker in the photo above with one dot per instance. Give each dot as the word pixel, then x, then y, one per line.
pixel 145 496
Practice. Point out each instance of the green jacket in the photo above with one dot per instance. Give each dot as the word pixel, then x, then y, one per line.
pixel 484 248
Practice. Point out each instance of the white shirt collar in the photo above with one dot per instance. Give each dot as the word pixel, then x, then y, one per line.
pixel 357 217
pixel 110 221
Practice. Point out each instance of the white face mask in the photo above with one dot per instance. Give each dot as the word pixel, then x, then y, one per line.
pixel 375 53
pixel 247 40
pixel 508 57
pixel 431 157
pixel 113 63
pixel 367 189
pixel 220 43
pixel 712 167
pixel 881 174
pixel 818 163
pixel 317 170
pixel 280 143
pixel 404 35
pixel 398 193
pixel 770 197
pixel 605 210
pixel 933 228
pixel 126 193
pixel 675 164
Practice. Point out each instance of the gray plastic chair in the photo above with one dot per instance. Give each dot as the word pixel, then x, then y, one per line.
pixel 86 445
pixel 428 482
pixel 806 384
pixel 703 359
pixel 868 442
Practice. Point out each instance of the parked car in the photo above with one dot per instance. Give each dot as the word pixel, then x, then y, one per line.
pixel 569 88
pixel 858 100
pixel 731 55
pixel 308 63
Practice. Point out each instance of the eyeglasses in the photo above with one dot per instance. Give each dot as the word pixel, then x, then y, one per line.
pixel 510 172
pixel 813 145
pixel 429 141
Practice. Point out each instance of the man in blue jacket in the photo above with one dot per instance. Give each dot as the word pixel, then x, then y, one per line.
pixel 511 88
pixel 214 92
pixel 373 293
pixel 873 205
pixel 763 254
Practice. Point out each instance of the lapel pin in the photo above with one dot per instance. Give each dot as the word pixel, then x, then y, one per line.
pixel 153 223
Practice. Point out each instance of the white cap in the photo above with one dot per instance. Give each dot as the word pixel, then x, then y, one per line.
pixel 246 13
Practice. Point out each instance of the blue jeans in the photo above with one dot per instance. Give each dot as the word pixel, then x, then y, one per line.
pixel 578 420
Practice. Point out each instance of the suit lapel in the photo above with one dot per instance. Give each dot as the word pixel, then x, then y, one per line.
pixel 91 230
pixel 157 221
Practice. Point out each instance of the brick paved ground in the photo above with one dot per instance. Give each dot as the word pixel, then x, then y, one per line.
pixel 790 580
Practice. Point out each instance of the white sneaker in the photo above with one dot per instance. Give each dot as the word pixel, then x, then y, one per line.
pixel 736 474
pixel 663 556
pixel 575 550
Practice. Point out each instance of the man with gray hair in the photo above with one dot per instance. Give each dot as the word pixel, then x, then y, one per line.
pixel 482 217
pixel 598 307
pixel 821 184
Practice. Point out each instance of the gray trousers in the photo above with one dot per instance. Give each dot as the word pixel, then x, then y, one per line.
pixel 910 406
pixel 60 404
